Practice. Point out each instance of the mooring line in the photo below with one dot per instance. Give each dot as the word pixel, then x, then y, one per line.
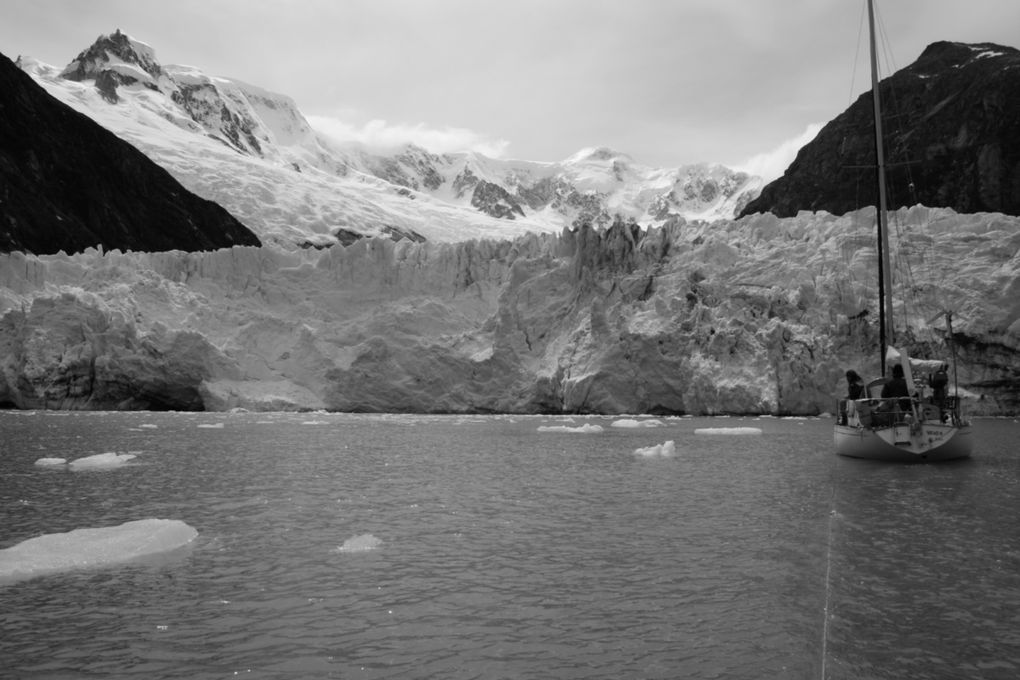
pixel 828 571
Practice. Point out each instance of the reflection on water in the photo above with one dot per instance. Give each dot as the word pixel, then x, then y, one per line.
pixel 450 547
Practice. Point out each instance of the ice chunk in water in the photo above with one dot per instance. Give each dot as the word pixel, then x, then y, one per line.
pixel 101 461
pixel 51 462
pixel 93 547
pixel 631 423
pixel 360 543
pixel 728 430
pixel 664 450
pixel 587 428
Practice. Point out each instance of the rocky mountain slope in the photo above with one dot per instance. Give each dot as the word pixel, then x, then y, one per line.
pixel 253 152
pixel 952 137
pixel 68 184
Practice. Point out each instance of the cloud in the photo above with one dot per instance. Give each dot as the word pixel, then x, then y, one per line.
pixel 379 134
pixel 771 164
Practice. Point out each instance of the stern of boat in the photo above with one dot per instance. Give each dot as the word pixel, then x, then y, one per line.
pixel 880 430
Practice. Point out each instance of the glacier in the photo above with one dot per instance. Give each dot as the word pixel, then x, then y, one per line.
pixel 759 315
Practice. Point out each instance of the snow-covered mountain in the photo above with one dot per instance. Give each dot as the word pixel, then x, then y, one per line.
pixel 67 183
pixel 253 152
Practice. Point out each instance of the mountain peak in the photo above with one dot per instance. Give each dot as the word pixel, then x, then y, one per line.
pixel 116 52
pixel 951 140
pixel 945 55
pixel 598 153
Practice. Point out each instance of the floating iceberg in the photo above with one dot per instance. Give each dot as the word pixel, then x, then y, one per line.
pixel 360 543
pixel 587 428
pixel 664 450
pixel 101 461
pixel 728 430
pixel 50 462
pixel 92 547
pixel 632 423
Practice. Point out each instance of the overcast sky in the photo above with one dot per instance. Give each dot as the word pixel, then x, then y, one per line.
pixel 668 82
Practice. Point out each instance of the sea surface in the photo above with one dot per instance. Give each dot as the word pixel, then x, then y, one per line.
pixel 445 547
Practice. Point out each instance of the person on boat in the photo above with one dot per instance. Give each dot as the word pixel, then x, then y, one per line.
pixel 896 389
pixel 938 382
pixel 854 390
pixel 854 385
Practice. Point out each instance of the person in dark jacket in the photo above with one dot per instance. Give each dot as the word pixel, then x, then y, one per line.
pixel 897 387
pixel 938 381
pixel 854 385
pixel 854 390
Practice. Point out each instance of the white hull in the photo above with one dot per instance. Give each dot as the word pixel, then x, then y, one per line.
pixel 928 443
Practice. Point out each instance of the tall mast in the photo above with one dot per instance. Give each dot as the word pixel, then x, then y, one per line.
pixel 884 270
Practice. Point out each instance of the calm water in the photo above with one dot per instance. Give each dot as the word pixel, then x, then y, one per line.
pixel 506 552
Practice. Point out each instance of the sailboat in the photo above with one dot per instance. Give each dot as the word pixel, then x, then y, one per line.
pixel 910 428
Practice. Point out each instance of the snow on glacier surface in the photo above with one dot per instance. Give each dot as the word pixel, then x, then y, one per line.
pixel 279 203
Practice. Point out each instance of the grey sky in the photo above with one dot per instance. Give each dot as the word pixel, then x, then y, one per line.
pixel 667 81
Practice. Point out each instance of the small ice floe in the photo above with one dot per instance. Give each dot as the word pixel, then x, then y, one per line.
pixel 101 461
pixel 211 426
pixel 149 426
pixel 634 424
pixel 664 450
pixel 51 462
pixel 361 543
pixel 93 547
pixel 587 428
pixel 728 430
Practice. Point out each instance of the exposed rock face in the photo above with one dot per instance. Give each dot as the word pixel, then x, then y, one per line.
pixel 67 183
pixel 952 139
pixel 112 53
pixel 118 60
pixel 760 315
pixel 494 200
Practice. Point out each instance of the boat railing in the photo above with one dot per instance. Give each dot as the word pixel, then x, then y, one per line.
pixel 875 412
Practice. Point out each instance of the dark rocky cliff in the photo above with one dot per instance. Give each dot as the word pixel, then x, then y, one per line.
pixel 952 139
pixel 67 183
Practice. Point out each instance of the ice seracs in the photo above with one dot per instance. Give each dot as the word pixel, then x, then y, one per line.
pixel 737 316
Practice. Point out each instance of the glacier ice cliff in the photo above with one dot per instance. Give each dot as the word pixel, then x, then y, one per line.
pixel 757 315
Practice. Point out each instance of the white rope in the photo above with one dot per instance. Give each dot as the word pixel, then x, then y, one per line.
pixel 828 571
